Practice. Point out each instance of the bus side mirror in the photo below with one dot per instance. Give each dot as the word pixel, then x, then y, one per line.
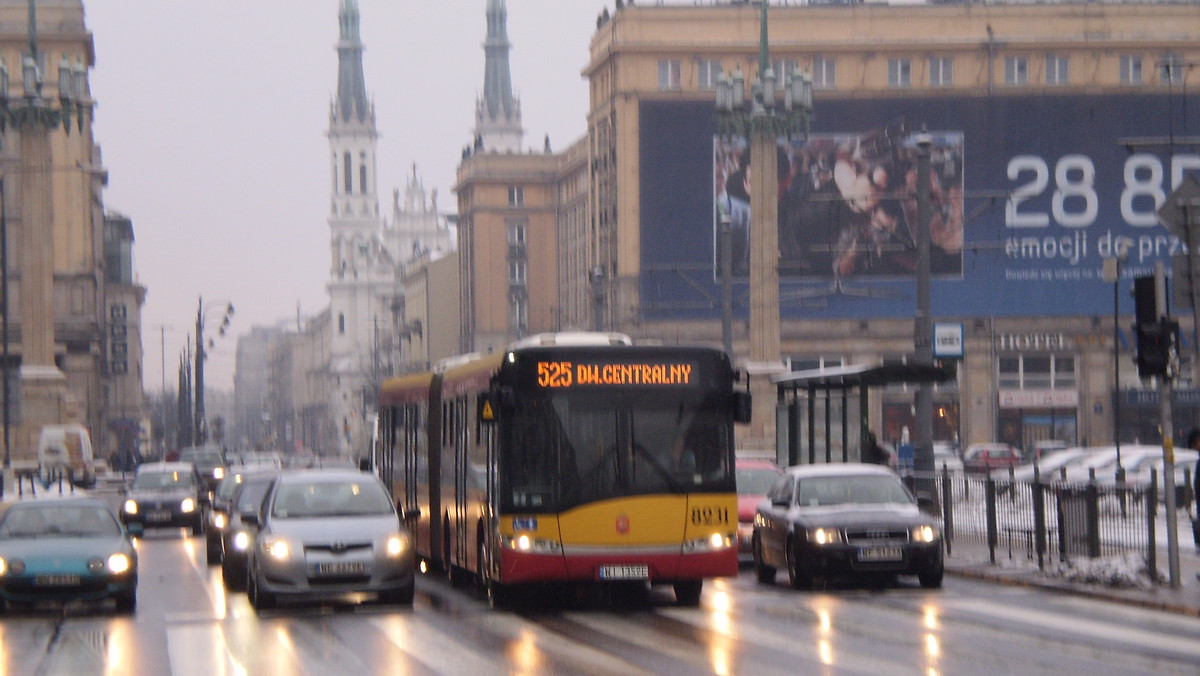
pixel 741 406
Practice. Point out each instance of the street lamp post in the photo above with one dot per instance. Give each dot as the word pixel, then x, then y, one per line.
pixel 201 424
pixel 771 113
pixel 33 117
pixel 923 326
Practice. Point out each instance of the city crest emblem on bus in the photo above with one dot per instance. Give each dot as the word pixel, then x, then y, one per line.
pixel 622 524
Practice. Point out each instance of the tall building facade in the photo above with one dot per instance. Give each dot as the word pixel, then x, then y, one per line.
pixel 1053 130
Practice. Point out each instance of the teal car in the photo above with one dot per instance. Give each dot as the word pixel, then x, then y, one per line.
pixel 66 549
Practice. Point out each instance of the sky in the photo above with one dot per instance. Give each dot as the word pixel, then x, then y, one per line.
pixel 212 118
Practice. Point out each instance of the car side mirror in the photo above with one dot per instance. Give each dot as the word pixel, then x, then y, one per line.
pixel 779 503
pixel 412 514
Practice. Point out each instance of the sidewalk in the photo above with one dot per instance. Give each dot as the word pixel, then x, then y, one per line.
pixel 1109 579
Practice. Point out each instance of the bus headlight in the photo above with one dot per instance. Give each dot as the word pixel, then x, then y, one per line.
pixel 528 544
pixel 710 543
pixel 925 534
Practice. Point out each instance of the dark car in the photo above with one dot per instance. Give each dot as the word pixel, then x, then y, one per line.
pixel 238 536
pixel 844 519
pixel 755 476
pixel 166 495
pixel 66 549
pixel 328 533
pixel 210 463
pixel 220 512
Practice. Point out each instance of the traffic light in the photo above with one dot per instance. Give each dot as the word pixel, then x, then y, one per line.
pixel 1155 342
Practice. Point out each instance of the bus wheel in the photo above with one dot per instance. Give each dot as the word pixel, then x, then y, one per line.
pixel 687 592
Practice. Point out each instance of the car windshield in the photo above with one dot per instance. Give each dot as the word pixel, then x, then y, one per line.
pixel 58 521
pixel 251 496
pixel 755 480
pixel 331 499
pixel 203 458
pixel 163 480
pixel 859 489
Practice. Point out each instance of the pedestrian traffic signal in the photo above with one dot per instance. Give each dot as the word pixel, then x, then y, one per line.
pixel 1155 343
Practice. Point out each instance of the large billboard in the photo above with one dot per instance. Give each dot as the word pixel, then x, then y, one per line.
pixel 1029 195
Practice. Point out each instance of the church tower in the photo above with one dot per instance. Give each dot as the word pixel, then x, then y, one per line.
pixel 498 113
pixel 356 273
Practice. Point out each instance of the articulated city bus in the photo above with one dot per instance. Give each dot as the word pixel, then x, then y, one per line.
pixel 574 458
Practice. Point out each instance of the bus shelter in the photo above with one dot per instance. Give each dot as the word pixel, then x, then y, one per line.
pixel 842 393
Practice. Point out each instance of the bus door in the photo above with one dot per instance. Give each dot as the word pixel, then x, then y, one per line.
pixel 461 468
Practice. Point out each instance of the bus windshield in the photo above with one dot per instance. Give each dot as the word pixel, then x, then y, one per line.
pixel 570 448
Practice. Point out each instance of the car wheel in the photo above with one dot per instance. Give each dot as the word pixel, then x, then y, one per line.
pixel 932 577
pixel 762 572
pixel 234 577
pixel 127 602
pixel 212 551
pixel 687 592
pixel 198 527
pixel 799 578
pixel 259 598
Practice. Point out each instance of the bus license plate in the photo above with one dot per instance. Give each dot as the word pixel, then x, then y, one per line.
pixel 637 572
pixel 880 554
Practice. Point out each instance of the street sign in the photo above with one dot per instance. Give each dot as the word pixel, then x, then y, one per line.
pixel 1181 279
pixel 948 340
pixel 1181 211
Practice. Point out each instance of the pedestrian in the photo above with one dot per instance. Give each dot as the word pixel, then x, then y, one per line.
pixel 1193 442
pixel 874 452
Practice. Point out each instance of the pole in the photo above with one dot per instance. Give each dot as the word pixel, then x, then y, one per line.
pixel 162 340
pixel 1111 272
pixel 1165 393
pixel 4 307
pixel 199 434
pixel 923 330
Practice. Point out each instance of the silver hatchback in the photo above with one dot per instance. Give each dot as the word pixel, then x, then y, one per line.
pixel 328 533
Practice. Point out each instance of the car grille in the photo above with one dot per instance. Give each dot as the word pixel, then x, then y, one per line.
pixel 338 548
pixel 876 536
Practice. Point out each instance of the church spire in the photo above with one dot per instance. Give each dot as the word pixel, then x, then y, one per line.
pixel 498 112
pixel 351 100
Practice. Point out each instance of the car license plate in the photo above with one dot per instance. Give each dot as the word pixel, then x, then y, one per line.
pixel 158 515
pixel 637 572
pixel 880 554
pixel 342 568
pixel 55 580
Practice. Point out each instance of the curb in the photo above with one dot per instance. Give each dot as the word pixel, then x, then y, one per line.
pixel 1176 606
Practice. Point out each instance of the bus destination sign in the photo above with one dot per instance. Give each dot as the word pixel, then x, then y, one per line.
pixel 559 374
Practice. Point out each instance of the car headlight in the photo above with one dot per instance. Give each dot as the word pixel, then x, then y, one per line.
pixel 119 563
pixel 396 544
pixel 218 472
pixel 276 547
pixel 530 544
pixel 709 543
pixel 241 540
pixel 925 534
pixel 825 536
pixel 218 520
pixel 3 566
pixel 130 507
pixel 188 505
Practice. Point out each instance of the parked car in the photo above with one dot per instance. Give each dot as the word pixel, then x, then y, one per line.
pixel 66 549
pixel 1103 462
pixel 844 518
pixel 239 534
pixel 985 457
pixel 945 457
pixel 1049 468
pixel 323 533
pixel 1138 469
pixel 1042 448
pixel 166 495
pixel 754 477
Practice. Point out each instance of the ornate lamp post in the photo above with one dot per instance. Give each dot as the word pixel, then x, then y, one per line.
pixel 772 112
pixel 34 117
pixel 201 425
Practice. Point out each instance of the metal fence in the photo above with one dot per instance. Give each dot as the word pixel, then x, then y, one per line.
pixel 1046 520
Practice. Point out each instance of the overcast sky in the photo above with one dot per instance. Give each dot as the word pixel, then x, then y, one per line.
pixel 212 120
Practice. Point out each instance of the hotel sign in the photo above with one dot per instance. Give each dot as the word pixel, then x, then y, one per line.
pixel 1039 398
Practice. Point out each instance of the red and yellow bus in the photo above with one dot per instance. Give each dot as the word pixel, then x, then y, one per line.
pixel 574 458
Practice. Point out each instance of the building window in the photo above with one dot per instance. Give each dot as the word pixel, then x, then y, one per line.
pixel 516 272
pixel 516 233
pixel 1170 70
pixel 362 173
pixel 518 313
pixel 899 73
pixel 1057 69
pixel 670 74
pixel 516 196
pixel 1131 70
pixel 347 173
pixel 342 323
pixel 707 72
pixel 941 71
pixel 824 73
pixel 1016 71
pixel 1036 372
pixel 783 68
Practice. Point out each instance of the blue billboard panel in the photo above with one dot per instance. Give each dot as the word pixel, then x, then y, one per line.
pixel 1030 195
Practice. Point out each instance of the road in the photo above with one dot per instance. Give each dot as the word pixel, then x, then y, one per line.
pixel 187 625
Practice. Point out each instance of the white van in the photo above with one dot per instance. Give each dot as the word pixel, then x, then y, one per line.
pixel 66 447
